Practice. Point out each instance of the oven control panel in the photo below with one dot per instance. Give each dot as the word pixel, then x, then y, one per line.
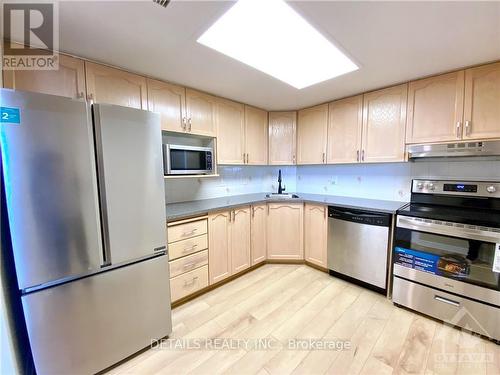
pixel 469 188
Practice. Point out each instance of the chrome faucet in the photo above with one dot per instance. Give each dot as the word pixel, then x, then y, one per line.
pixel 281 189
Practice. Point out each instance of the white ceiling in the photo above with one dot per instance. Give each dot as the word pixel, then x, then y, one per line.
pixel 392 42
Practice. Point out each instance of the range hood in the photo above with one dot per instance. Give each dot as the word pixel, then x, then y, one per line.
pixel 459 149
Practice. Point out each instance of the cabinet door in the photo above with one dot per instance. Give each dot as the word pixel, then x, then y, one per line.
pixel 312 127
pixel 435 108
pixel 344 130
pixel 285 231
pixel 315 234
pixel 282 137
pixel 384 118
pixel 115 86
pixel 170 101
pixel 219 254
pixel 201 113
pixel 230 132
pixel 68 80
pixel 258 229
pixel 240 240
pixel 256 134
pixel 482 102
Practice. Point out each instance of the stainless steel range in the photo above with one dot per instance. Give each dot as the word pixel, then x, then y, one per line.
pixel 446 253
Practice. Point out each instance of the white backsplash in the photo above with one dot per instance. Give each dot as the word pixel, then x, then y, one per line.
pixel 232 180
pixel 389 181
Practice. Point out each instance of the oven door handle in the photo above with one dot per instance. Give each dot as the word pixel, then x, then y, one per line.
pixel 447 229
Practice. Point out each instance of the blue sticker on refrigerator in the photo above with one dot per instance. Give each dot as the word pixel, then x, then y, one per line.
pixel 10 115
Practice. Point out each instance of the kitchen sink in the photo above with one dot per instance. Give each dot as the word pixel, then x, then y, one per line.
pixel 281 196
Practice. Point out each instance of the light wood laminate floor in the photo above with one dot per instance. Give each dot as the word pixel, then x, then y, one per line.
pixel 282 302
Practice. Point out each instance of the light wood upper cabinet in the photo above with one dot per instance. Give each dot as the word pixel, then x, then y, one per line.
pixel 68 80
pixel 201 113
pixel 435 108
pixel 240 239
pixel 170 101
pixel 344 130
pixel 384 119
pixel 285 231
pixel 258 231
pixel 282 138
pixel 482 102
pixel 230 132
pixel 315 234
pixel 312 127
pixel 219 251
pixel 256 135
pixel 115 86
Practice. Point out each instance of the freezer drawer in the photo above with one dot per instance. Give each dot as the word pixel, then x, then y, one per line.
pixel 90 324
pixel 459 311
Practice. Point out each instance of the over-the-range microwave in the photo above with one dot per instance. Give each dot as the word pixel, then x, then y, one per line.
pixel 181 160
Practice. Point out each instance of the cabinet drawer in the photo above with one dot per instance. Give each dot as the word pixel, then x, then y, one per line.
pixel 187 230
pixel 186 247
pixel 189 263
pixel 189 282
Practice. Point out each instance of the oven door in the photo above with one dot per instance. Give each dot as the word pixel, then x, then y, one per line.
pixel 187 160
pixel 454 257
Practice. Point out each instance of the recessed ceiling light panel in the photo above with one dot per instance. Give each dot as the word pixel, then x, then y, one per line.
pixel 273 38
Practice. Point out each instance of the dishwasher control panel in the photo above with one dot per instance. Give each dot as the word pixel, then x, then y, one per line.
pixel 360 216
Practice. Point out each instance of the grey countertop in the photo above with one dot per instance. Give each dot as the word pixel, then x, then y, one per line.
pixel 182 210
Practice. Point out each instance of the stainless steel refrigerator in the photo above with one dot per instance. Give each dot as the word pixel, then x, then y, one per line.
pixel 86 208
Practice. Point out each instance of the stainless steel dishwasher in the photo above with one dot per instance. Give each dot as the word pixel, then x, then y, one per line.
pixel 358 246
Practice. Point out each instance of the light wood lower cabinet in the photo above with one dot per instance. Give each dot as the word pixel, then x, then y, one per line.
pixel 115 86
pixel 315 234
pixel 240 239
pixel 282 138
pixel 384 119
pixel 187 283
pixel 258 232
pixel 285 231
pixel 219 254
pixel 68 80
pixel 229 243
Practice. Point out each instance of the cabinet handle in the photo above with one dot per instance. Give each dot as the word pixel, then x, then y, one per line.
pixel 184 123
pixel 193 280
pixel 447 301
pixel 189 265
pixel 244 158
pixel 324 158
pixel 234 216
pixel 189 232
pixel 468 127
pixel 188 249
pixel 90 97
pixel 247 157
pixel 363 155
pixel 357 155
pixel 190 124
pixel 458 129
pixel 293 159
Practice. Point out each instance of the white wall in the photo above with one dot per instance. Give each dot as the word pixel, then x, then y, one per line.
pixel 382 181
pixel 231 181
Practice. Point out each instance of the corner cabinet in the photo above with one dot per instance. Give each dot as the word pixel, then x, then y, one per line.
pixel 230 132
pixel 68 80
pixel 285 231
pixel 282 138
pixel 482 102
pixel 258 233
pixel 344 130
pixel 115 86
pixel 312 127
pixel 384 120
pixel 170 101
pixel 229 243
pixel 315 234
